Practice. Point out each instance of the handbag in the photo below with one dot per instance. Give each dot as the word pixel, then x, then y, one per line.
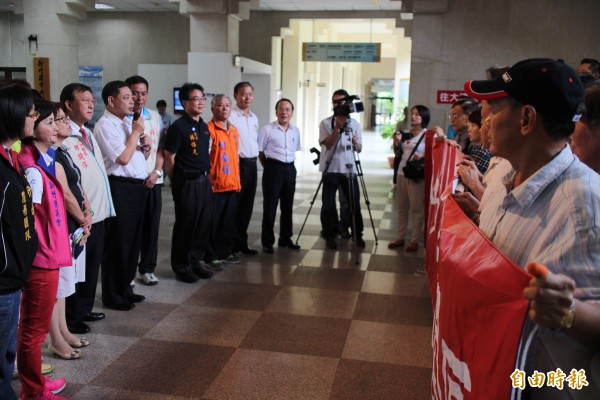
pixel 415 169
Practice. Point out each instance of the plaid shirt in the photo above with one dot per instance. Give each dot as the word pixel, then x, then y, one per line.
pixel 481 157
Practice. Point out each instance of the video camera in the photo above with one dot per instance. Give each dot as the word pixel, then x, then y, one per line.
pixel 348 105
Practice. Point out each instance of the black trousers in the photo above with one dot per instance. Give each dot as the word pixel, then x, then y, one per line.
pixel 81 302
pixel 123 241
pixel 329 218
pixel 223 232
pixel 278 183
pixel 151 225
pixel 248 177
pixel 193 200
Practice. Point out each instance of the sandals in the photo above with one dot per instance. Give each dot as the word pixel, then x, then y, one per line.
pixel 83 342
pixel 74 355
pixel 395 244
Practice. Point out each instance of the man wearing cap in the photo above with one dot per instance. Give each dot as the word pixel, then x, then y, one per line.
pixel 544 208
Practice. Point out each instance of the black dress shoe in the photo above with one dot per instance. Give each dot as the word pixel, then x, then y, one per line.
pixel 248 250
pixel 360 242
pixel 136 298
pixel 93 316
pixel 120 307
pixel 289 245
pixel 330 243
pixel 268 249
pixel 187 276
pixel 78 328
pixel 203 271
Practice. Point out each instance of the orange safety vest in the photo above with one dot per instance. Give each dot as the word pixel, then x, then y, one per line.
pixel 224 159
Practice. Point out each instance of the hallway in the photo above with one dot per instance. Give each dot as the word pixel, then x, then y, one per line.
pixel 307 324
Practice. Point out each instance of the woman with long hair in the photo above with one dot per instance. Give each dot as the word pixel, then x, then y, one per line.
pixel 53 252
pixel 410 192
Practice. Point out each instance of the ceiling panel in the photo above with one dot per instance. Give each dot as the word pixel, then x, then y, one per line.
pixel 273 5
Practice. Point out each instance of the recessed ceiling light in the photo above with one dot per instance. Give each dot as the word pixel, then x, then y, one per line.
pixel 102 6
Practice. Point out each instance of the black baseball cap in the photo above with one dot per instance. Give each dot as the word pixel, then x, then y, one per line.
pixel 550 86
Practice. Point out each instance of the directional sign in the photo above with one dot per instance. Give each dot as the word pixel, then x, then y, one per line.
pixel 348 52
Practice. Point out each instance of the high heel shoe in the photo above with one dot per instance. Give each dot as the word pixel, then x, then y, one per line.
pixel 83 342
pixel 74 355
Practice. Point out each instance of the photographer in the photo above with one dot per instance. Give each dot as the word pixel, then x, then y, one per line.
pixel 337 160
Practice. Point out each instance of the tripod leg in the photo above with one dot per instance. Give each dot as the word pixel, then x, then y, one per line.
pixel 309 209
pixel 366 196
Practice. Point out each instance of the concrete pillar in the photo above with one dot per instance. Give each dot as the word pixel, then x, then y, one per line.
pixel 214 42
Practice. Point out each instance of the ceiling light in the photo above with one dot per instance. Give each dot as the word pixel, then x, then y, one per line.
pixel 102 6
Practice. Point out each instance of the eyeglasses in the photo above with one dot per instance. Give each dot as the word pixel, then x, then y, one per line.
pixel 452 117
pixel 197 99
pixel 64 119
pixel 34 115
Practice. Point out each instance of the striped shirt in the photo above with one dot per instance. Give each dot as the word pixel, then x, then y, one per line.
pixel 552 218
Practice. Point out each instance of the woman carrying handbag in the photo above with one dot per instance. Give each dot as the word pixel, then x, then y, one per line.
pixel 410 183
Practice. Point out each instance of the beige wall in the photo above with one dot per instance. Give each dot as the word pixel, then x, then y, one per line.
pixel 459 45
pixel 120 42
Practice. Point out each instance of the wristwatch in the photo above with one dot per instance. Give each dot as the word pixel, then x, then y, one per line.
pixel 570 317
pixel 158 172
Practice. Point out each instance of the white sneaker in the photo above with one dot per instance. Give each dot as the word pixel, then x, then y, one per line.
pixel 147 279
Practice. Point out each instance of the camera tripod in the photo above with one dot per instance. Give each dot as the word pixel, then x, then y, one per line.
pixel 351 160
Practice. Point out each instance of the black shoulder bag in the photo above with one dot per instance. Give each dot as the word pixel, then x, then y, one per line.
pixel 415 169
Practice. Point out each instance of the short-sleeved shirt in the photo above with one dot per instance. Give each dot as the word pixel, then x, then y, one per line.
pixel 279 144
pixel 189 141
pixel 343 153
pixel 112 133
pixel 247 126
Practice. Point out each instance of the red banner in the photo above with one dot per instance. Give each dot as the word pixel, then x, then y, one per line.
pixel 477 295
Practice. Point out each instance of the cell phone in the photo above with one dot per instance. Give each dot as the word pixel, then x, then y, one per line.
pixel 78 235
pixel 136 116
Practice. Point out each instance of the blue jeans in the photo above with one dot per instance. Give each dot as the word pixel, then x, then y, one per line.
pixel 9 319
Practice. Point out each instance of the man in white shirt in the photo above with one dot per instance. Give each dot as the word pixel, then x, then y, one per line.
pixel 154 181
pixel 278 143
pixel 338 151
pixel 246 123
pixel 125 148
pixel 77 101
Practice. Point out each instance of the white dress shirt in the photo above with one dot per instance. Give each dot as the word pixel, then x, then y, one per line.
pixel 279 144
pixel 111 132
pixel 247 126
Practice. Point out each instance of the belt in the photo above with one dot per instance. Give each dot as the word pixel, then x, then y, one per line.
pixel 274 161
pixel 192 175
pixel 124 179
pixel 248 159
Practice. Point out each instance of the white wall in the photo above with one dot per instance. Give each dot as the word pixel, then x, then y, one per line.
pixel 215 72
pixel 261 105
pixel 162 78
pixel 13 42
